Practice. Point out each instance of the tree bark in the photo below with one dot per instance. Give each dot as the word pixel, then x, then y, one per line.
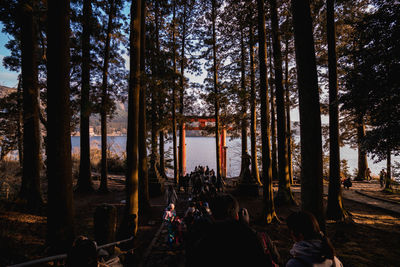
pixel 310 118
pixel 253 104
pixel 30 184
pixel 60 208
pixel 162 157
pixel 243 99
pixel 85 184
pixel 182 91
pixel 388 184
pixel 288 122
pixel 216 85
pixel 285 195
pixel 104 102
pixel 154 160
pixel 362 155
pixel 19 123
pixel 174 141
pixel 274 164
pixel 144 198
pixel 335 208
pixel 268 198
pixel 132 147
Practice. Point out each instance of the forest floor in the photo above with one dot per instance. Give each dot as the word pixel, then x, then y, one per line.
pixel 372 238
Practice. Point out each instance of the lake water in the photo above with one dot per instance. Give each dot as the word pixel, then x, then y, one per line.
pixel 201 151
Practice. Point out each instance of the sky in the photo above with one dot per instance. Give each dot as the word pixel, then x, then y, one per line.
pixel 7 78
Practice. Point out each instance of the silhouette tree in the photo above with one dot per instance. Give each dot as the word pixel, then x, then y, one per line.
pixel 269 207
pixel 253 104
pixel 310 119
pixel 335 208
pixel 84 180
pixel 30 185
pixel 284 192
pixel 60 210
pixel 144 198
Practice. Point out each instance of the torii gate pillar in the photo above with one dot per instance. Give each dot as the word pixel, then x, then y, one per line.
pixel 222 149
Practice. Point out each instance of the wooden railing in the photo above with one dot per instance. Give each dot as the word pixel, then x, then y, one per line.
pixel 58 259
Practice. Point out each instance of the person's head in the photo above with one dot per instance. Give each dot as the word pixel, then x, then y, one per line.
pixel 225 207
pixel 82 253
pixel 303 226
pixel 171 206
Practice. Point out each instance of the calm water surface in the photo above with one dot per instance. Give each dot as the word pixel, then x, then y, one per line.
pixel 201 151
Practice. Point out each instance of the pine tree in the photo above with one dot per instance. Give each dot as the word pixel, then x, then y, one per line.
pixel 60 210
pixel 310 120
pixel 269 208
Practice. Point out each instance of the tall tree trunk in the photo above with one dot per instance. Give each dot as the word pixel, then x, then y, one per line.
pixel 243 99
pixel 182 90
pixel 216 85
pixel 388 184
pixel 174 141
pixel 144 199
pixel 335 208
pixel 310 118
pixel 288 123
pixel 104 102
pixel 285 195
pixel 60 208
pixel 85 181
pixel 154 160
pixel 162 156
pixel 20 123
pixel 274 163
pixel 253 104
pixel 362 155
pixel 30 185
pixel 269 207
pixel 132 146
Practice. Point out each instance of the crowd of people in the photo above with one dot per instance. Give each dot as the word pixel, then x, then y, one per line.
pixel 215 231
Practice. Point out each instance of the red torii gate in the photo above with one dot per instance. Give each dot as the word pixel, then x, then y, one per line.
pixel 199 123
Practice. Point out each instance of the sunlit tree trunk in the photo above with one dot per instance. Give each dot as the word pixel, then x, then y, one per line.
pixel 216 85
pixel 310 118
pixel 335 208
pixel 60 208
pixel 104 102
pixel 182 91
pixel 274 163
pixel 253 104
pixel 285 195
pixel 243 99
pixel 30 184
pixel 84 179
pixel 268 198
pixel 132 148
pixel 288 124
pixel 174 141
pixel 144 199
